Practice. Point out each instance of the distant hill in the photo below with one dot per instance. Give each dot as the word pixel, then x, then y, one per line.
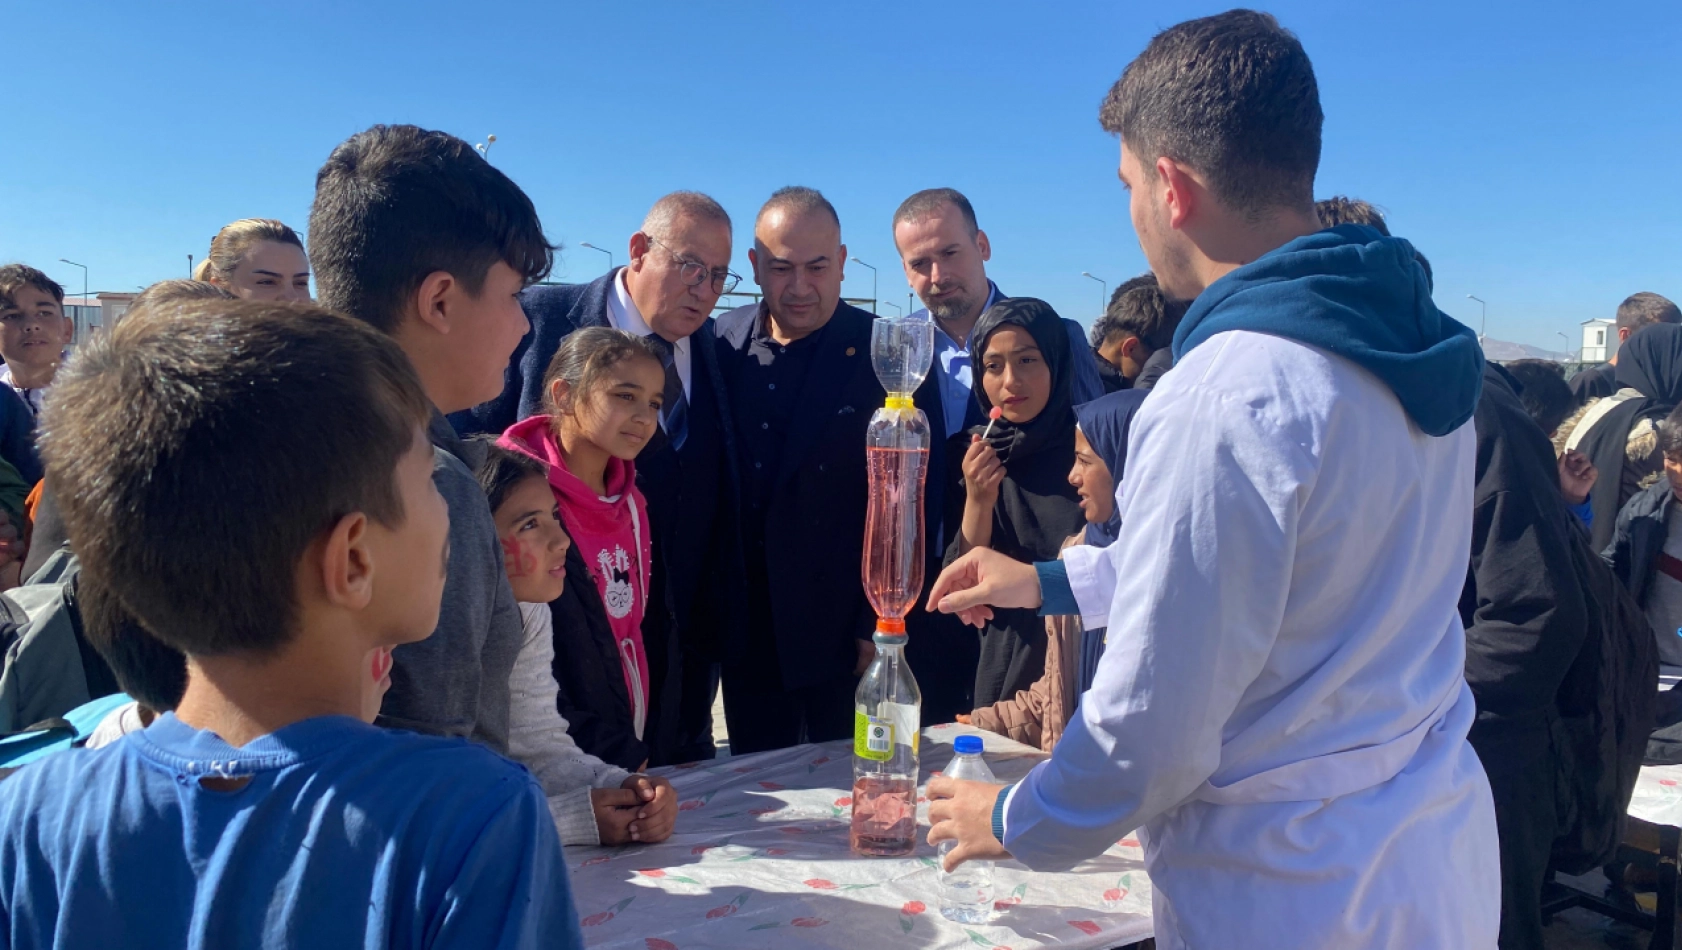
pixel 1501 351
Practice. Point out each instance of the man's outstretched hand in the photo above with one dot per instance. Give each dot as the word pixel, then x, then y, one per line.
pixel 981 580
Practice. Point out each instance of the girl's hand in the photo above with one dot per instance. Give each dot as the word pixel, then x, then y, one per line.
pixel 1577 476
pixel 983 473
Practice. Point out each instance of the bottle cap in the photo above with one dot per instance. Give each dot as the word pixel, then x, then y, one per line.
pixel 967 745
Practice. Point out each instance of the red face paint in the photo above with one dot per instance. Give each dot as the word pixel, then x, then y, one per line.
pixel 520 562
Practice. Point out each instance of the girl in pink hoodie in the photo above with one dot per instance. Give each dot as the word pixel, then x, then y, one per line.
pixel 602 392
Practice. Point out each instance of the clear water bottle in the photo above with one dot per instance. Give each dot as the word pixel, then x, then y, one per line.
pixel 887 710
pixel 966 894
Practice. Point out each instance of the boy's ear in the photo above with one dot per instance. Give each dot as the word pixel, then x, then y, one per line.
pixel 1134 349
pixel 434 299
pixel 347 563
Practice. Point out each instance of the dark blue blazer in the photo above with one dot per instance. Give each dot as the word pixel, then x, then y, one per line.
pixel 814 527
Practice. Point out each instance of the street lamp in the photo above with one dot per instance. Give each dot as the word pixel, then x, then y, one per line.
pixel 1567 340
pixel 1483 323
pixel 1104 300
pixel 189 267
pixel 484 148
pixel 897 309
pixel 84 268
pixel 872 283
pixel 601 250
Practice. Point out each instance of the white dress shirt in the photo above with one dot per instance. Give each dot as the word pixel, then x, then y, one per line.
pixel 1282 703
pixel 622 312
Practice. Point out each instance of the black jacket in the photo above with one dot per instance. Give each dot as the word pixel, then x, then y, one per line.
pixel 1156 365
pixel 814 523
pixel 1522 604
pixel 684 489
pixel 593 697
pixel 1637 542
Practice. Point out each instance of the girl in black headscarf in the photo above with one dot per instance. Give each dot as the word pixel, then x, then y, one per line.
pixel 1018 500
pixel 1623 442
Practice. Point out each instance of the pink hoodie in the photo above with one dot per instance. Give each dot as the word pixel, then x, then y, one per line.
pixel 613 538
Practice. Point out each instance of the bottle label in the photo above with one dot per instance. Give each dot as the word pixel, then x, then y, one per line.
pixel 874 736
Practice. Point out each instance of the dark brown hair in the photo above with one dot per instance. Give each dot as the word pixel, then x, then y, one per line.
pixel 197 451
pixel 501 469
pixel 1341 209
pixel 1138 308
pixel 1546 396
pixel 13 276
pixel 1637 310
pixel 929 200
pixel 1232 96
pixel 584 358
pixel 397 203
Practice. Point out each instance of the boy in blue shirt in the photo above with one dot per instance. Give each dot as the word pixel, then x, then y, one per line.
pixel 252 482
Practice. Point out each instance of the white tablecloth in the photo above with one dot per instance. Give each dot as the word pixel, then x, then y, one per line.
pixel 760 859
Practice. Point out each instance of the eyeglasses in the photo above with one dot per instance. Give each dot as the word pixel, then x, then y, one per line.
pixel 695 273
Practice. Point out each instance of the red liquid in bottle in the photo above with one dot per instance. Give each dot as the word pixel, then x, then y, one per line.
pixel 893 530
pixel 884 816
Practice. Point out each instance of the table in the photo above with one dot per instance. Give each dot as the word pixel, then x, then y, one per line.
pixel 760 859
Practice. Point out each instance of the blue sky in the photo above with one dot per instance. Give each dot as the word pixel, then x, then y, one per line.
pixel 1530 150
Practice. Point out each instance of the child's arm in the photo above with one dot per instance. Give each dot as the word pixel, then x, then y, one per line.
pixel 538 738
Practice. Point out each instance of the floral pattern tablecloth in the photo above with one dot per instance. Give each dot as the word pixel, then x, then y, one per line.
pixel 760 859
pixel 1658 795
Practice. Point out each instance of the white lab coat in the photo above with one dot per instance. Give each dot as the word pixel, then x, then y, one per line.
pixel 1282 704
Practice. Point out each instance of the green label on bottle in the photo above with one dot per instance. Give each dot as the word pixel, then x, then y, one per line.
pixel 873 738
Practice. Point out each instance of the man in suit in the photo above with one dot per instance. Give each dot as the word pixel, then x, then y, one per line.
pixel 945 253
pixel 801 389
pixel 680 265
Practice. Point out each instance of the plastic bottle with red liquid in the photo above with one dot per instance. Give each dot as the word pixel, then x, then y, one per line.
pixel 888 705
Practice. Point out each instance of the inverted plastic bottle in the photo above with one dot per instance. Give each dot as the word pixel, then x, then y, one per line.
pixel 966 894
pixel 887 708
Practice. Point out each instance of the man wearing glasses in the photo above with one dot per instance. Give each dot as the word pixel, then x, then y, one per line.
pixel 680 266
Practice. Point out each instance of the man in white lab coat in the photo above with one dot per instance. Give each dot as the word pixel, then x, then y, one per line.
pixel 1282 706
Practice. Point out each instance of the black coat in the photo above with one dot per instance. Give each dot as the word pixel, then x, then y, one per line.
pixel 684 489
pixel 814 523
pixel 1637 542
pixel 1523 604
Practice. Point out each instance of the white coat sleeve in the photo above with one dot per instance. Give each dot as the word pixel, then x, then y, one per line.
pixel 1193 595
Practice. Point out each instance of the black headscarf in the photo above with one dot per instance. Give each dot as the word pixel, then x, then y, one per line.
pixel 1038 508
pixel 1105 422
pixel 1649 363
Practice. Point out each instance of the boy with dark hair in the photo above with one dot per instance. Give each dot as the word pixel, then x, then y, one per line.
pixel 33 331
pixel 414 233
pixel 285 559
pixel 1136 332
pixel 1287 715
pixel 1545 394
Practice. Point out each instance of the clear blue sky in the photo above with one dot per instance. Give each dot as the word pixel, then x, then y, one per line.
pixel 1532 151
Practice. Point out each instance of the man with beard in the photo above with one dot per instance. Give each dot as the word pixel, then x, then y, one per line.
pixel 945 253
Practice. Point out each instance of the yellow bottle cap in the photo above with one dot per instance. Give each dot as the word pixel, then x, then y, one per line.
pixel 898 401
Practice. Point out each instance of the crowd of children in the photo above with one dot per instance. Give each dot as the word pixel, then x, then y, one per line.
pixel 413 583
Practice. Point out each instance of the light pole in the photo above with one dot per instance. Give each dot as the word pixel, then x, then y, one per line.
pixel 84 268
pixel 601 250
pixel 890 303
pixel 1483 323
pixel 872 283
pixel 1567 340
pixel 484 148
pixel 1104 300
pixel 189 267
